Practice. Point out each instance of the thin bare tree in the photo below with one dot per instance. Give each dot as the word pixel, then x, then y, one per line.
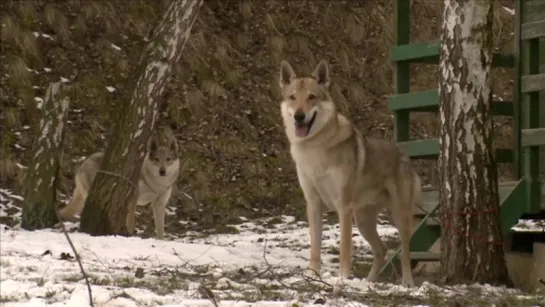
pixel 41 180
pixel 113 192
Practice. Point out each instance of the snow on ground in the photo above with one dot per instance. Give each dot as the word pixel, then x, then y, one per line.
pixel 259 266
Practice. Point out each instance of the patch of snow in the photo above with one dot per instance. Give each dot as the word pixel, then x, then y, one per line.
pixel 110 89
pixel 529 226
pixel 47 36
pixel 47 69
pixel 38 34
pixel 509 10
pixel 40 102
pixel 37 268
pixel 7 207
pixel 116 47
pixel 64 80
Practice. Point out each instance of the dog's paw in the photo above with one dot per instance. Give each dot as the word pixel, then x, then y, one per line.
pixel 407 283
pixel 338 286
pixel 311 273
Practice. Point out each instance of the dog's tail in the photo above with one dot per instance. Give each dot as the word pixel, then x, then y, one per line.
pixel 74 207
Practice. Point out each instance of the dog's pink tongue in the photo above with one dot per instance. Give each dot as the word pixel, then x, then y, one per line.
pixel 301 131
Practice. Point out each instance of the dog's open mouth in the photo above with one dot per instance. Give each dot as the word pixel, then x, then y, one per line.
pixel 302 129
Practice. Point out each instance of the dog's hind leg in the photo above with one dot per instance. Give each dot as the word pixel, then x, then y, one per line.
pixel 402 216
pixel 75 206
pixel 366 221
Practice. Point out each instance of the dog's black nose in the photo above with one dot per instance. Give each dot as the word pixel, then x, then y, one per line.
pixel 299 116
pixel 162 172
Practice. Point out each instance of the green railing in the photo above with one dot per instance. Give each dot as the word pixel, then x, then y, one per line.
pixel 525 194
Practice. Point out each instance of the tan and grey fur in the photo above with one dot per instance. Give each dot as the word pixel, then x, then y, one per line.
pixel 158 175
pixel 342 170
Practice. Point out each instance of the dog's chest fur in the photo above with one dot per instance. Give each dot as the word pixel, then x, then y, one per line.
pixel 151 185
pixel 353 170
pixel 331 170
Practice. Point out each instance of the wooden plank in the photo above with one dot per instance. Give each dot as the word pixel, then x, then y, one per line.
pixel 428 53
pixel 504 190
pixel 402 75
pixel 429 149
pixel 504 155
pixel 533 83
pixel 532 137
pixel 428 101
pixel 534 29
pixel 505 60
pixel 517 101
pixel 428 202
pixel 502 108
pixel 533 10
pixel 513 206
pixel 424 236
pixel 415 101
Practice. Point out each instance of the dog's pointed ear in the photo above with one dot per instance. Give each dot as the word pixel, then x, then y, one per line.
pixel 287 74
pixel 321 74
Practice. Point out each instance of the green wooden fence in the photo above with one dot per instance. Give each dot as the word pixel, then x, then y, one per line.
pixel 525 194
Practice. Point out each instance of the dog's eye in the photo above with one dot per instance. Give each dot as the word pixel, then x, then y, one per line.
pixel 311 97
pixel 292 97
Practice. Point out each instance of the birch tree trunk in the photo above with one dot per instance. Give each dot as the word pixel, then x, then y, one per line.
pixel 40 194
pixel 114 187
pixel 471 247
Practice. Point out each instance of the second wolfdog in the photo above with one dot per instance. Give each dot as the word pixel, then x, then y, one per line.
pixel 340 169
pixel 158 175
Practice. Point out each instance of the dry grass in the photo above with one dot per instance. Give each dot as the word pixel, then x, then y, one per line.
pixel 223 97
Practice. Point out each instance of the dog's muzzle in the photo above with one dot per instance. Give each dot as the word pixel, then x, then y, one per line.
pixel 302 127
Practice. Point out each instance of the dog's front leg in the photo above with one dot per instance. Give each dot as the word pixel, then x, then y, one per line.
pixel 315 208
pixel 159 208
pixel 314 215
pixel 345 224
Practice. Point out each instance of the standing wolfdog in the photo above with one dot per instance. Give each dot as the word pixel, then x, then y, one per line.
pixel 340 169
pixel 158 175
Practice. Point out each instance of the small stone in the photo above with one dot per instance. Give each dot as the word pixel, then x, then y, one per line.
pixel 139 273
pixel 319 301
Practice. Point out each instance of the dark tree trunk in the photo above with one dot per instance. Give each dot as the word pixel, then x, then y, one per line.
pixel 41 182
pixel 114 187
pixel 471 248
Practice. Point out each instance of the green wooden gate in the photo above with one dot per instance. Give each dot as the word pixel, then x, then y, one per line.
pixel 525 194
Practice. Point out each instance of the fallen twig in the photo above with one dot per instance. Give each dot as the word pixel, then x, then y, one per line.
pixel 76 255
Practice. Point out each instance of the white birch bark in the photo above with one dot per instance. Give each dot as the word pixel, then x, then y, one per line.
pixel 40 193
pixel 469 189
